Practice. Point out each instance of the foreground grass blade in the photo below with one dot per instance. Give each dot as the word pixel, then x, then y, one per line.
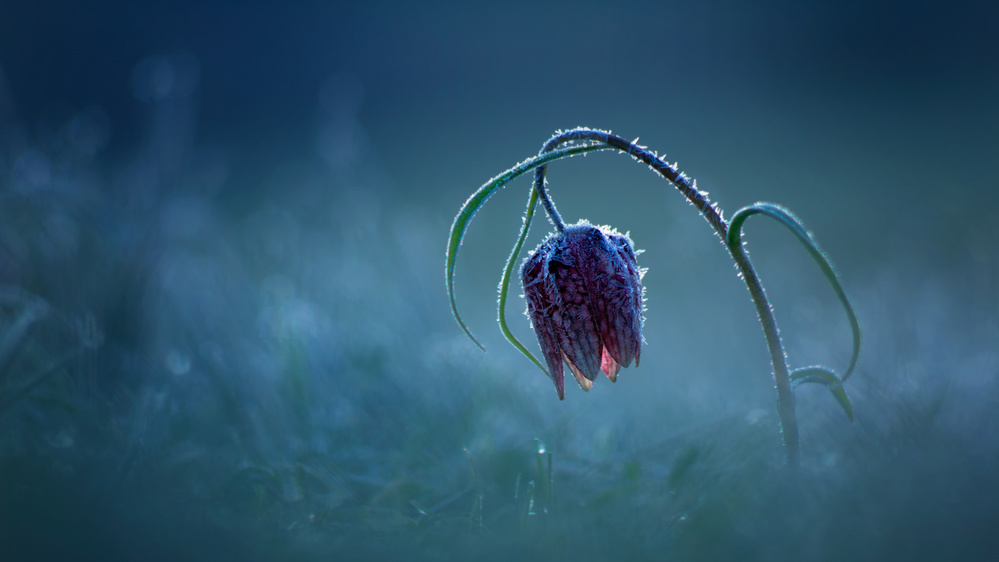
pixel 476 201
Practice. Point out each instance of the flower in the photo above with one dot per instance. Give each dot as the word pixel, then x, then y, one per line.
pixel 584 291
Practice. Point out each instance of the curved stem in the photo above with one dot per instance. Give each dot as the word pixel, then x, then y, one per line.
pixel 539 188
pixel 778 359
pixel 475 202
pixel 711 213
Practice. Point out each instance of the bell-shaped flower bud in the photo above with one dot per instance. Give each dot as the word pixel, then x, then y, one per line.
pixel 583 289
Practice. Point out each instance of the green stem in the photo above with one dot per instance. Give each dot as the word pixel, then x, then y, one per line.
pixel 539 189
pixel 475 202
pixel 688 187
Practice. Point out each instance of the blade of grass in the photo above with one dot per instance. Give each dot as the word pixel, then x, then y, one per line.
pixel 13 335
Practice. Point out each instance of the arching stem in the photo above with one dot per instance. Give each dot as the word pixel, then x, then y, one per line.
pixel 539 184
pixel 688 187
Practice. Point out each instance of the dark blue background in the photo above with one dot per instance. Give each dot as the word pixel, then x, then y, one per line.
pixel 250 202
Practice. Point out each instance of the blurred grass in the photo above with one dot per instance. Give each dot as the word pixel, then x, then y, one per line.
pixel 338 455
pixel 279 379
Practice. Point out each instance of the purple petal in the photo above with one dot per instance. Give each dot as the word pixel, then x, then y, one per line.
pixel 574 323
pixel 609 366
pixel 624 305
pixel 540 307
pixel 584 383
pixel 612 278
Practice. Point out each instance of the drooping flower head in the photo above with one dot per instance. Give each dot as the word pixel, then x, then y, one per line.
pixel 583 284
pixel 584 290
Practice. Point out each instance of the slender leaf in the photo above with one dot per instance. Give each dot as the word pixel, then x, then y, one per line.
pixel 794 224
pixel 828 379
pixel 508 273
pixel 476 201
